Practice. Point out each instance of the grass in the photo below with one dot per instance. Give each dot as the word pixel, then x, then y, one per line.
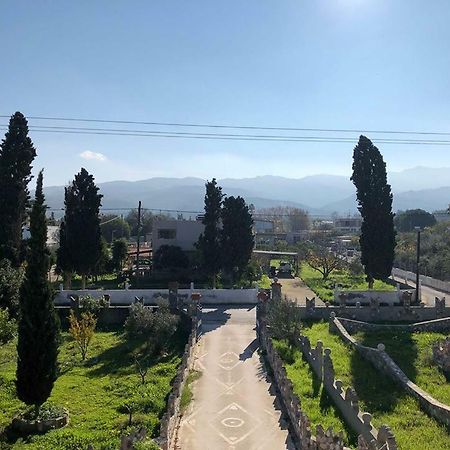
pixel 187 394
pixel 325 288
pixel 412 353
pixel 95 392
pixel 314 399
pixel 106 281
pixel 378 395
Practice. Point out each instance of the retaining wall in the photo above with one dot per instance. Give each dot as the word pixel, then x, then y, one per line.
pixel 436 325
pixel 383 362
pixel 366 297
pixel 171 418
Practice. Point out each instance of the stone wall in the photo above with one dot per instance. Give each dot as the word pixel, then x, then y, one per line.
pixel 384 363
pixel 346 401
pixel 300 424
pixel 366 297
pixel 171 418
pixel 376 312
pixel 436 325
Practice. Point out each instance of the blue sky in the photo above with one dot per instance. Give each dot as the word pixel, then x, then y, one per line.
pixel 364 64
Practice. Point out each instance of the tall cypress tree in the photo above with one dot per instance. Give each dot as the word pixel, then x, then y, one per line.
pixel 64 265
pixel 82 224
pixel 209 241
pixel 37 347
pixel 16 155
pixel 374 197
pixel 237 239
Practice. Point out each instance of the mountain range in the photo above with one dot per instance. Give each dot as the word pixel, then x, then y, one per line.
pixel 420 187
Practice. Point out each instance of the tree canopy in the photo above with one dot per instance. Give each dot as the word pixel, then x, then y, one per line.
pixel 82 235
pixel 374 197
pixel 209 241
pixel 170 257
pixel 237 239
pixel 16 156
pixel 408 220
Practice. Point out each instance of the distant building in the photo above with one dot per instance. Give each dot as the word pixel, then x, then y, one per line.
pixel 292 237
pixel 263 226
pixel 348 224
pixel 182 233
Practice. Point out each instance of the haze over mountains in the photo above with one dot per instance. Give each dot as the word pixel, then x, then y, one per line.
pixel 420 187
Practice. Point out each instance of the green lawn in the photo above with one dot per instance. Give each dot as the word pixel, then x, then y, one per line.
pixel 412 352
pixel 325 288
pixel 381 397
pixel 314 399
pixel 94 392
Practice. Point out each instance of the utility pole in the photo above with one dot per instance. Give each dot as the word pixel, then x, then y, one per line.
pixel 138 243
pixel 418 266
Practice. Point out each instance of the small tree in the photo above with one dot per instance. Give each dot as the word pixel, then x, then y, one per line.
pixel 119 254
pixel 82 224
pixel 82 330
pixel 209 241
pixel 37 347
pixel 237 236
pixel 284 317
pixel 322 260
pixel 16 156
pixel 10 281
pixel 374 197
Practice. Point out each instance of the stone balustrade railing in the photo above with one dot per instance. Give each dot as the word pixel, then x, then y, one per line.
pixel 346 401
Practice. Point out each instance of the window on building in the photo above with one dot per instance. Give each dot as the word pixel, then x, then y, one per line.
pixel 167 233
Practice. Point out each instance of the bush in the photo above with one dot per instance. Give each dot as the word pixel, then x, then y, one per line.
pixel 8 327
pixel 159 325
pixel 10 282
pixel 92 305
pixel 284 319
pixel 170 257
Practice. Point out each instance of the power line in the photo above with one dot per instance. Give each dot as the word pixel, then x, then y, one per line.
pixel 221 136
pixel 244 127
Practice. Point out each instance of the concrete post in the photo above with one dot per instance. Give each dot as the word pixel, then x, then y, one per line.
pixel 173 295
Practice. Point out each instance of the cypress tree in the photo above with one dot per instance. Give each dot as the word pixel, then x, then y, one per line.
pixel 237 240
pixel 63 262
pixel 82 225
pixel 37 347
pixel 374 197
pixel 16 155
pixel 209 241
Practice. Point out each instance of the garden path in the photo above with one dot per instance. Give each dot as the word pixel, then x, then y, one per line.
pixel 234 406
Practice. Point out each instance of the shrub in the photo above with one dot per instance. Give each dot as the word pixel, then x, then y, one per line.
pixel 10 282
pixel 82 330
pixel 8 327
pixel 159 326
pixel 284 319
pixel 92 305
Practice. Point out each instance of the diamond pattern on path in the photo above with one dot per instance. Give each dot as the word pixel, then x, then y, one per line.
pixel 229 360
pixel 234 423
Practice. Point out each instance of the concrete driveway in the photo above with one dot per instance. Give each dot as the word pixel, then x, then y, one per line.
pixel 296 289
pixel 234 406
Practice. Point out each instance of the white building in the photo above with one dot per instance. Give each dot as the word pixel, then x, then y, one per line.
pixel 348 224
pixel 182 233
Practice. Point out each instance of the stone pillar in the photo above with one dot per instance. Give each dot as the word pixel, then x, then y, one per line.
pixel 276 290
pixel 195 301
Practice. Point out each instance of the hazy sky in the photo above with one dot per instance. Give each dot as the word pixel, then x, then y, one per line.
pixel 363 64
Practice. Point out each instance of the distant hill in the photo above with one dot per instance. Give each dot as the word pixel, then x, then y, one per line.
pixel 319 194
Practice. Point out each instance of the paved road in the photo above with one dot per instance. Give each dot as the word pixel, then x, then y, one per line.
pixel 295 288
pixel 234 407
pixel 427 294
